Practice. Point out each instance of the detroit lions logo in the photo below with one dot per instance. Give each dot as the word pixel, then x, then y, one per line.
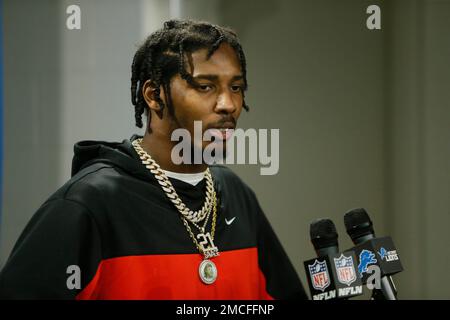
pixel 366 257
pixel 388 256
pixel 382 253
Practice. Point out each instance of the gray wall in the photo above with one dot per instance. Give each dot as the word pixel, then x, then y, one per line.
pixel 32 110
pixel 96 71
pixel 363 115
pixel 61 86
pixel 316 72
pixel 418 153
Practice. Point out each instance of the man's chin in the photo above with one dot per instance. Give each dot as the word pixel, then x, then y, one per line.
pixel 215 152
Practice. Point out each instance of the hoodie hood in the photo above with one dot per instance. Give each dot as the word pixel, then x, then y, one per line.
pixel 88 152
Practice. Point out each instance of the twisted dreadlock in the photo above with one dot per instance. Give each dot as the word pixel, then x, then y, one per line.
pixel 163 55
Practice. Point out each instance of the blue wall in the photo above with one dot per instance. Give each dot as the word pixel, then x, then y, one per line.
pixel 1 109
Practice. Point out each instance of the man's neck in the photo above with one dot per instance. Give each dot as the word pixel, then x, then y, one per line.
pixel 159 147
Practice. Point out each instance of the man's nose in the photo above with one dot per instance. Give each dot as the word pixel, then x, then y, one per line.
pixel 225 103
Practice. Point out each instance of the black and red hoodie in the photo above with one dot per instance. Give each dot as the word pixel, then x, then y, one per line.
pixel 114 222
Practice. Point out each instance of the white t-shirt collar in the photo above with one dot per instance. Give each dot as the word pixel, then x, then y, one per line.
pixel 191 178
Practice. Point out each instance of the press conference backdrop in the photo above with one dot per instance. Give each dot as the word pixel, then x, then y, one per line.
pixel 363 114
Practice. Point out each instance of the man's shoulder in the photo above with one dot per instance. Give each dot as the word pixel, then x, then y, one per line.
pixel 89 184
pixel 77 200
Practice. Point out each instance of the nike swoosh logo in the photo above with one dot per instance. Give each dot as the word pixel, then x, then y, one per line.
pixel 228 222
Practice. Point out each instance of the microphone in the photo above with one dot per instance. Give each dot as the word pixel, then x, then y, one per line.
pixel 332 275
pixel 374 251
pixel 324 237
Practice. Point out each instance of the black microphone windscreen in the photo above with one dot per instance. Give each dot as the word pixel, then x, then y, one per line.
pixel 358 224
pixel 323 234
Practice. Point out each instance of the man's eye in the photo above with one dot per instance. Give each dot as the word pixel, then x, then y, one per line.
pixel 236 88
pixel 204 87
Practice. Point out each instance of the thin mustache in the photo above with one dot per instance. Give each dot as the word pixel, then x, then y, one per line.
pixel 223 121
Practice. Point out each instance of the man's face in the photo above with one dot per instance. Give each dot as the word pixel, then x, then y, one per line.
pixel 217 99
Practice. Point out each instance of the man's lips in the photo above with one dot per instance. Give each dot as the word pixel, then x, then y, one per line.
pixel 222 131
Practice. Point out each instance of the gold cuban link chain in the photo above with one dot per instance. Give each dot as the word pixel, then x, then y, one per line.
pixel 169 190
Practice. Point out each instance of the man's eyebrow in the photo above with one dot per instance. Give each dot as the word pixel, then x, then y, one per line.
pixel 213 77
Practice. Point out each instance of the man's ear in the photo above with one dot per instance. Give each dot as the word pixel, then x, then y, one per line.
pixel 148 91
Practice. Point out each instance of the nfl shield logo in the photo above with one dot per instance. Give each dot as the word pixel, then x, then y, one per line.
pixel 319 275
pixel 345 269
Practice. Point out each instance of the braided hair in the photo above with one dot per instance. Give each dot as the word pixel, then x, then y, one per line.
pixel 163 55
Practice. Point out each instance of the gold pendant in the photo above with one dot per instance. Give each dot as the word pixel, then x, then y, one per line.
pixel 207 246
pixel 207 271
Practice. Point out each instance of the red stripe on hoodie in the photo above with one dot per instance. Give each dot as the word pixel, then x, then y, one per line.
pixel 175 276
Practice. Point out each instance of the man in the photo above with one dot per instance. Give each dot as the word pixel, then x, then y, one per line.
pixel 133 224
